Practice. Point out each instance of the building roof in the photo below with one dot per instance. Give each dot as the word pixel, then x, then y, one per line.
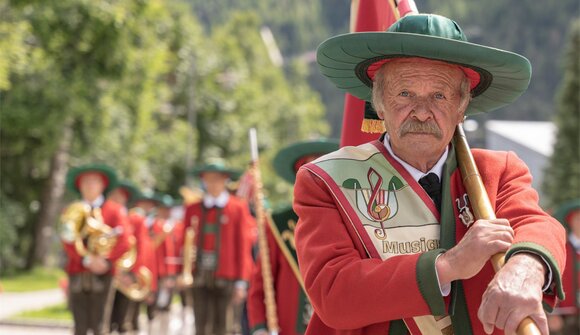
pixel 537 136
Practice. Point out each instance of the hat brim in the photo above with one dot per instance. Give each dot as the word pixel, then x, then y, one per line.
pixel 286 158
pixel 344 59
pixel 232 174
pixel 75 172
pixel 130 188
pixel 562 212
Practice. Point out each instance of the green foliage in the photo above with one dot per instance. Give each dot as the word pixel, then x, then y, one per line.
pixel 12 218
pixel 112 72
pixel 562 181
pixel 243 89
pixel 34 280
pixel 131 79
pixel 298 26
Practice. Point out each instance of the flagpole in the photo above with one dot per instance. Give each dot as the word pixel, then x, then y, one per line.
pixel 269 297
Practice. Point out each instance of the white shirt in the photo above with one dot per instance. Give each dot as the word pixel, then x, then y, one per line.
pixel 97 203
pixel 220 201
pixel 418 174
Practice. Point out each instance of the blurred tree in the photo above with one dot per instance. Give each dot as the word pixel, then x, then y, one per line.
pixel 123 83
pixel 94 85
pixel 562 181
pixel 242 89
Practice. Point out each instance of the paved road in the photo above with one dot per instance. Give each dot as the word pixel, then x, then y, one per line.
pixel 15 303
pixel 30 330
pixel 172 322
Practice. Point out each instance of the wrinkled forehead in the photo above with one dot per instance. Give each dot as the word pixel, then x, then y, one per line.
pixel 423 69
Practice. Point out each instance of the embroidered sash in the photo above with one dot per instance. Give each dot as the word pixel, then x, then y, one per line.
pixel 388 209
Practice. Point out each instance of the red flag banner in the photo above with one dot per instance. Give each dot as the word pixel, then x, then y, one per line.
pixel 368 15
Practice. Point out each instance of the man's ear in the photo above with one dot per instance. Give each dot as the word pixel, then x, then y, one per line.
pixel 381 115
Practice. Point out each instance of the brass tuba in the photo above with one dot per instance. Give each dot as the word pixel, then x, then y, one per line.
pixel 140 286
pixel 79 222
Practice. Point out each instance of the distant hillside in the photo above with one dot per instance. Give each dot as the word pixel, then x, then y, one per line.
pixel 535 29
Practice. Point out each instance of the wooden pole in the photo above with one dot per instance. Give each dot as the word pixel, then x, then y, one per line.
pixel 269 297
pixel 482 207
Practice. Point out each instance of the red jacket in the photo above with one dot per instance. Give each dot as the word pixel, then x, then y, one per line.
pixel 113 216
pixel 352 294
pixel 145 251
pixel 166 251
pixel 236 233
pixel 286 287
pixel 571 282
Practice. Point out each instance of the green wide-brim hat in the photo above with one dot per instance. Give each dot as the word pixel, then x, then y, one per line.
pixel 132 190
pixel 498 77
pixel 217 167
pixel 565 209
pixel 72 177
pixel 287 158
pixel 160 199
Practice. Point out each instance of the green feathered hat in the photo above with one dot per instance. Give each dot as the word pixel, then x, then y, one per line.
pixel 74 174
pixel 288 160
pixel 350 61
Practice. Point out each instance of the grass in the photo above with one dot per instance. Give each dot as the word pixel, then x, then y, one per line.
pixel 34 280
pixel 56 312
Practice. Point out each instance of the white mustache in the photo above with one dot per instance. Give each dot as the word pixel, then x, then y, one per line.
pixel 413 126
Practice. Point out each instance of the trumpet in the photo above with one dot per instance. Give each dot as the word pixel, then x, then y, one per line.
pixel 189 255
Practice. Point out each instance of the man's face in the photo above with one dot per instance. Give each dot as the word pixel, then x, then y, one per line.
pixel 91 185
pixel 422 105
pixel 146 205
pixel 119 196
pixel 163 212
pixel 215 182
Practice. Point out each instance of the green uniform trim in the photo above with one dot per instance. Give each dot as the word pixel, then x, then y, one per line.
pixel 398 327
pixel 460 317
pixel 427 281
pixel 210 228
pixel 259 326
pixel 545 253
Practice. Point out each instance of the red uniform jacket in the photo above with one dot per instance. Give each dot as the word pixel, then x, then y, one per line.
pixel 165 251
pixel 286 287
pixel 236 233
pixel 352 294
pixel 177 238
pixel 113 216
pixel 145 251
pixel 571 282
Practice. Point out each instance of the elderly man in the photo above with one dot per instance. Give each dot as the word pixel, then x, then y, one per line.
pixel 386 241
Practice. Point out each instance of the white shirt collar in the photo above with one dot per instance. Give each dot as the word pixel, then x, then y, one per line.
pixel 97 203
pixel 219 201
pixel 417 174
